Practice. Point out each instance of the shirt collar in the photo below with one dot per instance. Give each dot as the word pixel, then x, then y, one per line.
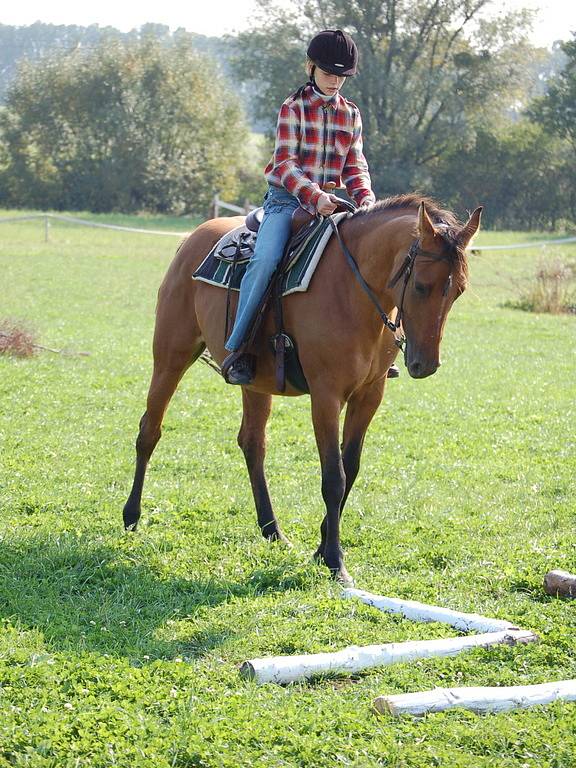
pixel 316 100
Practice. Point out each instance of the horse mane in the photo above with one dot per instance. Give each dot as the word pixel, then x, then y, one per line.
pixel 448 224
pixel 438 214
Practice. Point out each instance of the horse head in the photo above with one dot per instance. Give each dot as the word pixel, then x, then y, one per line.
pixel 430 279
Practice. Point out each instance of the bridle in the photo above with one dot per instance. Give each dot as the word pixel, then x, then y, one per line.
pixel 405 270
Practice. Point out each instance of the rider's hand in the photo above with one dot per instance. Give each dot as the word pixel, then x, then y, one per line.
pixel 326 205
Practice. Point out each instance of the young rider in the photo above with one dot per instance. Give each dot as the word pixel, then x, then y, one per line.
pixel 318 140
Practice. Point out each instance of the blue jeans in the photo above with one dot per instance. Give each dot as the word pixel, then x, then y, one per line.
pixel 279 205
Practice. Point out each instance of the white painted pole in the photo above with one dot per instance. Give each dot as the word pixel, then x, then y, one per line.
pixel 415 611
pixel 288 669
pixel 486 699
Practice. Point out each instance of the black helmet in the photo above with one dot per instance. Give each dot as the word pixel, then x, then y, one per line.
pixel 334 51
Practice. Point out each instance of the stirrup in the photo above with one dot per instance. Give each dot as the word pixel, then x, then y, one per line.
pixel 245 374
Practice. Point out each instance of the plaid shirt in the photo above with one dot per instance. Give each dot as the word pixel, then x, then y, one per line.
pixel 318 141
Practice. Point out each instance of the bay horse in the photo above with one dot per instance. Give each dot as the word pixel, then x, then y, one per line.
pixel 409 251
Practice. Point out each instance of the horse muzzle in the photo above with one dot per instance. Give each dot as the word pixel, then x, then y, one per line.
pixel 420 365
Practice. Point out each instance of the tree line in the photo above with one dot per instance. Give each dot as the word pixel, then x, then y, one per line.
pixel 454 104
pixel 121 126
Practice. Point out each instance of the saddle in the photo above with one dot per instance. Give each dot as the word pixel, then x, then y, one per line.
pixel 304 227
pixel 227 261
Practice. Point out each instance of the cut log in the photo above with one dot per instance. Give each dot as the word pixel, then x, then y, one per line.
pixel 560 583
pixel 485 699
pixel 288 669
pixel 410 609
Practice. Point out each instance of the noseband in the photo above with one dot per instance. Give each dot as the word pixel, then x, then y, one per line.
pixel 405 270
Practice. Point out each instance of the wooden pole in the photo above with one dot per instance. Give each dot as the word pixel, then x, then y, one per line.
pixel 560 583
pixel 415 611
pixel 485 699
pixel 288 669
pixel 46 229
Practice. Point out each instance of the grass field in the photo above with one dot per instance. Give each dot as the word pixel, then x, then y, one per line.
pixel 123 650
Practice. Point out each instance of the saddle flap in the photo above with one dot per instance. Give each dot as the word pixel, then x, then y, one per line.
pixel 236 247
pixel 254 219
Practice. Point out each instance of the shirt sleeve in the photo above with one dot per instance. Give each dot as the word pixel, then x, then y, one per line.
pixel 286 161
pixel 355 173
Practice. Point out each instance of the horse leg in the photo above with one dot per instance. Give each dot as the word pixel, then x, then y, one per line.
pixel 325 417
pixel 359 413
pixel 168 372
pixel 252 441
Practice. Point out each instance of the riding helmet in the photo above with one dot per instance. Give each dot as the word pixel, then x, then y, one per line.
pixel 334 51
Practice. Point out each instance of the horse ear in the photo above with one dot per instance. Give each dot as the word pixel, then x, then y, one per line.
pixel 425 226
pixel 470 228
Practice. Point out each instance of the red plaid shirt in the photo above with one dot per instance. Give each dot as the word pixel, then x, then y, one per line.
pixel 318 141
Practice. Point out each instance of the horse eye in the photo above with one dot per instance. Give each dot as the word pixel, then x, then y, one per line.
pixel 421 289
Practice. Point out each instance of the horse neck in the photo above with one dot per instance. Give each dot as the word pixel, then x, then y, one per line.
pixel 379 243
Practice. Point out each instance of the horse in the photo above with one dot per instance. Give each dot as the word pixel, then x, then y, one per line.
pixel 410 257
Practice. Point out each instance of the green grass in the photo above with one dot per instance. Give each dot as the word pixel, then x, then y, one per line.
pixel 123 650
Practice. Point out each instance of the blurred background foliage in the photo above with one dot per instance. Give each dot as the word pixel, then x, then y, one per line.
pixel 454 104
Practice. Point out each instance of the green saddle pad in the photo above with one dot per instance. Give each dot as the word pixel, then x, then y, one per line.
pixel 218 267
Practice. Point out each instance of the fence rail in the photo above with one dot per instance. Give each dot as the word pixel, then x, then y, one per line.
pixel 516 246
pixel 47 217
pixel 217 204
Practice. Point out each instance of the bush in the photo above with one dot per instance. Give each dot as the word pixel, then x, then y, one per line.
pixel 553 290
pixel 121 126
pixel 16 339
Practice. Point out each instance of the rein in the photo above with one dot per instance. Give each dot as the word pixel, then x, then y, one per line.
pixel 405 269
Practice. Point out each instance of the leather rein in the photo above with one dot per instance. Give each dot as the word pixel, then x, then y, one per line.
pixel 405 270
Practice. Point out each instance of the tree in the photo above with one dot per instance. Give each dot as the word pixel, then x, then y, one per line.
pixel 121 126
pixel 429 73
pixel 521 174
pixel 556 110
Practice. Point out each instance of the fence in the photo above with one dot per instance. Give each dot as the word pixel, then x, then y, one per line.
pixel 217 204
pixel 47 217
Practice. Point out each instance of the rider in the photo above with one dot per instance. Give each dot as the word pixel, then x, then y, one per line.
pixel 318 141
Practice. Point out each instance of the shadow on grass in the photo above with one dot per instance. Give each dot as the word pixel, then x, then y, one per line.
pixel 534 591
pixel 83 597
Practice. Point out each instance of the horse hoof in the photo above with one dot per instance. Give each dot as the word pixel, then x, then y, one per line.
pixel 337 572
pixel 276 535
pixel 131 527
pixel 343 578
pixel 130 520
pixel 284 540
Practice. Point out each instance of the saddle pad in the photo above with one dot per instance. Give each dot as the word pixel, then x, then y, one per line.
pixel 217 269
